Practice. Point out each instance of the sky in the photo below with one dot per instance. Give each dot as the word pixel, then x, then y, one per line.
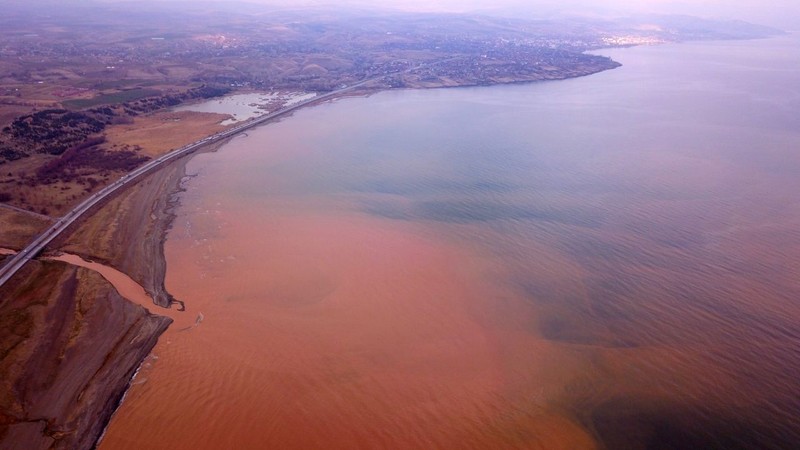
pixel 784 14
pixel 781 13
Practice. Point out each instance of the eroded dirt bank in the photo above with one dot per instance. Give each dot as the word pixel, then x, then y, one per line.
pixel 69 346
pixel 128 232
pixel 69 342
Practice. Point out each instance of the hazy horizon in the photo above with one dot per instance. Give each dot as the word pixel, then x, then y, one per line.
pixel 780 13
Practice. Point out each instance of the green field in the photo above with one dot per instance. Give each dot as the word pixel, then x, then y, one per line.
pixel 111 98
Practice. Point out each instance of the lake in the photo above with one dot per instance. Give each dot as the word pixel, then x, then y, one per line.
pixel 610 261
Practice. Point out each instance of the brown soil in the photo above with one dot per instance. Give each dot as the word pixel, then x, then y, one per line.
pixel 69 344
pixel 161 132
pixel 147 136
pixel 17 229
pixel 49 199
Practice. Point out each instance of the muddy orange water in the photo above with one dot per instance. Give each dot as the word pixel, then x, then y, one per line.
pixel 612 261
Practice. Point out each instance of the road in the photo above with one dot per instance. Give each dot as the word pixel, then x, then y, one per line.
pixel 15 263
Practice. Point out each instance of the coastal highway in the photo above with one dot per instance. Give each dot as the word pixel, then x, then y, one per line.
pixel 16 262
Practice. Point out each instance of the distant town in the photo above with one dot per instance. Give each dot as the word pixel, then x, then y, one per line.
pixel 74 80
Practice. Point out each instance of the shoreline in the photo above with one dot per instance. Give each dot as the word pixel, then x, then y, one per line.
pixel 71 344
pixel 174 184
pixel 158 194
pixel 142 216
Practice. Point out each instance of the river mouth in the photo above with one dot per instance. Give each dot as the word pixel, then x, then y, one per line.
pixel 125 286
pixel 594 262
